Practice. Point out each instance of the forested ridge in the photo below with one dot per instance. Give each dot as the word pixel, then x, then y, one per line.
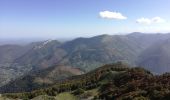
pixel 113 82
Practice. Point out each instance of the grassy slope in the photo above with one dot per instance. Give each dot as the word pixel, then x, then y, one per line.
pixel 66 96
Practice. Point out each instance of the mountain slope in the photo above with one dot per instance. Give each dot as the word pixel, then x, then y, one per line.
pixel 40 79
pixel 146 40
pixel 95 51
pixel 8 69
pixel 42 55
pixel 83 53
pixel 11 52
pixel 156 58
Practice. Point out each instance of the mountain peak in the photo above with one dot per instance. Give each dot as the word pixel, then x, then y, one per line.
pixel 44 43
pixel 135 34
pixel 104 36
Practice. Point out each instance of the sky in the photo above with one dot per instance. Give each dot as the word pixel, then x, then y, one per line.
pixel 75 18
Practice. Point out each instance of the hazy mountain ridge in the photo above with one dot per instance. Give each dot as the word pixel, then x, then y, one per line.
pixel 100 50
pixel 88 53
pixel 40 53
pixel 156 58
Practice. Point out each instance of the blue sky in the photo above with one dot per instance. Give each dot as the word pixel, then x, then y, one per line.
pixel 74 18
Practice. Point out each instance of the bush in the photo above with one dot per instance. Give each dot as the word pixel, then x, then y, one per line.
pixel 78 91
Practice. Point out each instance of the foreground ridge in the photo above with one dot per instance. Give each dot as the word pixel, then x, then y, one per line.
pixel 110 82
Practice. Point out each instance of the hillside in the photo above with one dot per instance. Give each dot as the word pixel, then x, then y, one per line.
pixel 88 53
pixel 10 52
pixel 8 69
pixel 41 55
pixel 110 82
pixel 156 58
pixel 40 79
pixel 146 40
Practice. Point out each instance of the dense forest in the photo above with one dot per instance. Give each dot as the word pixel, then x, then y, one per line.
pixel 111 82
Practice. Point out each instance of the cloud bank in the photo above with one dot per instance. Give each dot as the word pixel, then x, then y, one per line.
pixel 111 15
pixel 150 21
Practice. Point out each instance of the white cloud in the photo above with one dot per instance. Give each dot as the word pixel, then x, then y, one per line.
pixel 111 15
pixel 143 21
pixel 150 21
pixel 158 20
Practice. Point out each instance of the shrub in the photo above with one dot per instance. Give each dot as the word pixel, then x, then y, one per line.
pixel 78 91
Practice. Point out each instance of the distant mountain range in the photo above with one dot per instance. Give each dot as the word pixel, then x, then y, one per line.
pixel 152 51
pixel 89 53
